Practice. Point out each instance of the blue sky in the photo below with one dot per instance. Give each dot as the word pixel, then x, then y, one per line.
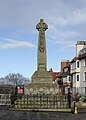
pixel 66 21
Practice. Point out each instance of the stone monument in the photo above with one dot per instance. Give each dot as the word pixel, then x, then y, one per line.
pixel 41 75
pixel 41 79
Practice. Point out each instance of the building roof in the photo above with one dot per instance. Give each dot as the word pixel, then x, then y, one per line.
pixel 63 74
pixel 78 58
pixel 82 56
pixel 74 59
pixel 54 75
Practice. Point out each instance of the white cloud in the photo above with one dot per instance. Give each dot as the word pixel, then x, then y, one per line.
pixel 62 37
pixel 6 43
pixel 64 43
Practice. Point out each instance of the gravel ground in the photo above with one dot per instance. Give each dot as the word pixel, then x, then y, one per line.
pixel 25 115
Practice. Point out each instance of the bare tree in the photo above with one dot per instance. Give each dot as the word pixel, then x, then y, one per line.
pixel 14 79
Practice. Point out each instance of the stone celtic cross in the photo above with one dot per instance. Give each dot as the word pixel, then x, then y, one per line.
pixel 41 75
pixel 42 63
pixel 41 26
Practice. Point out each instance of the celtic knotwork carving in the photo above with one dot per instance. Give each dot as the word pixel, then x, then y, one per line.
pixel 41 49
pixel 41 46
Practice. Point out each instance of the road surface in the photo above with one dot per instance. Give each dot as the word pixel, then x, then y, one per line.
pixel 25 115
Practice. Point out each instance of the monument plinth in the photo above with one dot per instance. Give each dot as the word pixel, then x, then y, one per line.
pixel 41 75
pixel 41 79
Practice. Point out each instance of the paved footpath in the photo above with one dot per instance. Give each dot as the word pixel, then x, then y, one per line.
pixel 25 115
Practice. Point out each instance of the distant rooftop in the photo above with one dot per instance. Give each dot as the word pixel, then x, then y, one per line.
pixel 64 60
pixel 81 42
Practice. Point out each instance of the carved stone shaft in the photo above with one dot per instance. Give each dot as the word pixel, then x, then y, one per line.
pixel 41 62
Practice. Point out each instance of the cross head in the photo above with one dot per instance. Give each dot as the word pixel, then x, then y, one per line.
pixel 41 26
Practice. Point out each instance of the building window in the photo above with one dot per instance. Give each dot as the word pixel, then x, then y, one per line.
pixel 85 62
pixel 85 90
pixel 85 76
pixel 77 77
pixel 74 77
pixel 69 79
pixel 64 79
pixel 74 65
pixel 65 69
pixel 78 64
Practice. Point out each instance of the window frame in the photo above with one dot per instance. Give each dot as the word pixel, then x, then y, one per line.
pixel 78 64
pixel 85 62
pixel 73 66
pixel 84 76
pixel 65 69
pixel 85 90
pixel 74 78
pixel 77 77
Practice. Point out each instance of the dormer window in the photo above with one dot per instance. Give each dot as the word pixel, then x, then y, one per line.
pixel 65 69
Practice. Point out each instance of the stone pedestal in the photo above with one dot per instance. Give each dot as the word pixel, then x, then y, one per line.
pixel 41 88
pixel 42 77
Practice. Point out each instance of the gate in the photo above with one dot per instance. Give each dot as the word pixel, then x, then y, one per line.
pixel 40 102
